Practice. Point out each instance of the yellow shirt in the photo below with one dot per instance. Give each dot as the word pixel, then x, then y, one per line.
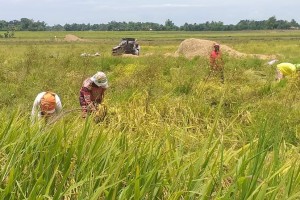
pixel 286 68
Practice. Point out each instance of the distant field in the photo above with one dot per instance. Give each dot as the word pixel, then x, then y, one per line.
pixel 266 42
pixel 164 35
pixel 173 131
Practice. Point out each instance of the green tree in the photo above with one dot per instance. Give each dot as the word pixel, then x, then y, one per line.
pixel 293 23
pixel 26 23
pixel 271 23
pixel 170 26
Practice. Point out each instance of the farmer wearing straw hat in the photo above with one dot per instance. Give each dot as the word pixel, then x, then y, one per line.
pixel 45 105
pixel 286 69
pixel 92 93
pixel 216 62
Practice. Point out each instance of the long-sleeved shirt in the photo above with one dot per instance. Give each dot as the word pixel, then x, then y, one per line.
pixel 90 93
pixel 36 110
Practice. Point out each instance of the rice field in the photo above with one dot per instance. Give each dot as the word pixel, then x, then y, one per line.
pixel 172 130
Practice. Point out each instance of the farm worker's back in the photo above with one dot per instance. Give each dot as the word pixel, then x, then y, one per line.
pixel 45 105
pixel 286 69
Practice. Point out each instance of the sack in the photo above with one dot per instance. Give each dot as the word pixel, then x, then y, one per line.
pixel 48 103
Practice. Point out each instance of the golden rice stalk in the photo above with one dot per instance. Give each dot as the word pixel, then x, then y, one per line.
pixel 101 113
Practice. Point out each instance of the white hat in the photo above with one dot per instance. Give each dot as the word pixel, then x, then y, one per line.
pixel 100 79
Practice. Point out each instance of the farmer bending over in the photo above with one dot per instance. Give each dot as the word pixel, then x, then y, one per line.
pixel 286 69
pixel 46 105
pixel 92 93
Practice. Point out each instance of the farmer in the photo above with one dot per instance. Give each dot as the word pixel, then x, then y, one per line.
pixel 286 69
pixel 216 62
pixel 46 104
pixel 92 93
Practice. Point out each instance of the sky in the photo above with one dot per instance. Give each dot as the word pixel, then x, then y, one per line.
pixel 54 12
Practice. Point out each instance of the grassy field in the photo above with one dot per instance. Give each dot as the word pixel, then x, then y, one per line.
pixel 171 131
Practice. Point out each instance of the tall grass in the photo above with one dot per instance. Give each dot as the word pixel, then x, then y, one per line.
pixel 144 157
pixel 172 131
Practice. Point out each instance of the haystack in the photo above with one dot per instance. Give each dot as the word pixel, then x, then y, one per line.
pixel 72 38
pixel 197 47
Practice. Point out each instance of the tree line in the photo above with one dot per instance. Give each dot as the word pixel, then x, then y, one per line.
pixel 272 23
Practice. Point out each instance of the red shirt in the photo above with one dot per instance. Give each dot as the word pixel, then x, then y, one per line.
pixel 215 60
pixel 215 54
pixel 90 92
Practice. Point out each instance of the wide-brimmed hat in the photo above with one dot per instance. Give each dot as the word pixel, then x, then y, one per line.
pixel 100 79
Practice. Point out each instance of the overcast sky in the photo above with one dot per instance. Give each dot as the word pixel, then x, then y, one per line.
pixel 158 11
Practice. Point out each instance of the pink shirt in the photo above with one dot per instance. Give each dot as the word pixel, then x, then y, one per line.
pixel 214 57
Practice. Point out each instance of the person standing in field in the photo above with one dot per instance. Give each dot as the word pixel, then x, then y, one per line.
pixel 286 69
pixel 216 61
pixel 92 93
pixel 46 105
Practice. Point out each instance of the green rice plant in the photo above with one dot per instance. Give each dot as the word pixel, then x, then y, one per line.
pixel 130 166
pixel 172 130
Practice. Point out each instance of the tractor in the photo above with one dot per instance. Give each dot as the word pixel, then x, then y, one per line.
pixel 127 46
